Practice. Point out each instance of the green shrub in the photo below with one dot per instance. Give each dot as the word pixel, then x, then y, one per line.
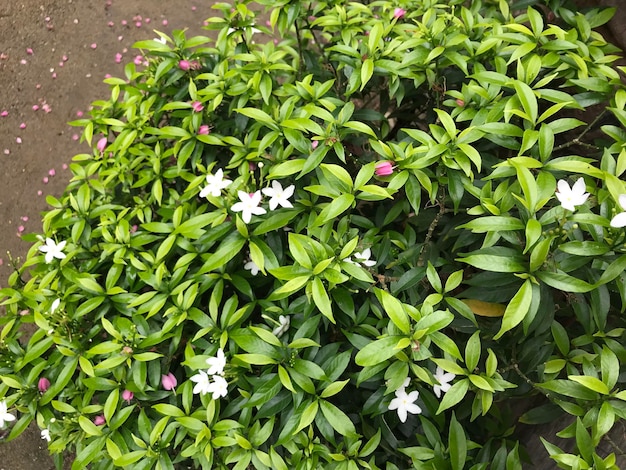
pixel 380 241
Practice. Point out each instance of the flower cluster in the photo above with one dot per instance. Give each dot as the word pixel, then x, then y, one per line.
pixel 212 380
pixel 249 203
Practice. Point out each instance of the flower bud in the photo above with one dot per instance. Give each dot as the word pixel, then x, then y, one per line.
pixel 184 65
pixel 43 385
pixel 169 381
pixel 204 130
pixel 99 420
pixel 460 102
pixel 399 13
pixel 101 145
pixel 197 106
pixel 383 168
pixel 127 395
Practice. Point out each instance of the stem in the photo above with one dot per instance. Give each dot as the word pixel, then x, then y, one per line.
pixel 577 141
pixel 299 39
pixel 431 229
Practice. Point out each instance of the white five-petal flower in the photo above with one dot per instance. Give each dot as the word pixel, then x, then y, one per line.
pixel 571 197
pixel 282 328
pixel 364 257
pixel 219 387
pixel 248 205
pixel 405 403
pixel 444 379
pixel 278 195
pixel 216 183
pixel 202 381
pixel 216 364
pixel 252 267
pixel 45 434
pixel 53 249
pixel 5 416
pixel 620 219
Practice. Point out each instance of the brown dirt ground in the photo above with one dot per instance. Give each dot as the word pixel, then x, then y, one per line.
pixel 54 29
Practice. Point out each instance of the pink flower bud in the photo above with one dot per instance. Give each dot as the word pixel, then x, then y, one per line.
pixel 99 420
pixel 383 168
pixel 184 65
pixel 204 130
pixel 460 103
pixel 101 145
pixel 169 381
pixel 43 384
pixel 399 13
pixel 197 106
pixel 127 395
pixel 314 144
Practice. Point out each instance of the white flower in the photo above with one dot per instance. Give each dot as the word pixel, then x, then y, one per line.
pixel 53 250
pixel 248 205
pixel 45 434
pixel 161 40
pixel 216 364
pixel 283 327
pixel 252 267
pixel 5 416
pixel 215 185
pixel 444 379
pixel 219 387
pixel 55 305
pixel 202 382
pixel 278 195
pixel 571 197
pixel 405 403
pixel 620 219
pixel 364 257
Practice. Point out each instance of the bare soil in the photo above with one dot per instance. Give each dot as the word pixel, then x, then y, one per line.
pixel 54 55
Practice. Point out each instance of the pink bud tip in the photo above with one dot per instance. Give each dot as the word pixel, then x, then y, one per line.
pixel 197 106
pixel 43 384
pixel 169 381
pixel 399 13
pixel 99 420
pixel 101 145
pixel 314 144
pixel 204 130
pixel 383 168
pixel 460 102
pixel 184 65
pixel 127 395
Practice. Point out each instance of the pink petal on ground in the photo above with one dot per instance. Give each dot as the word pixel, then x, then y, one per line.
pixel 111 24
pixel 6 151
pixel 164 22
pixel 23 61
pixel 124 22
pixel 45 180
pixel 64 166
pixel 18 140
pixel 39 193
pixel 79 113
pixel 93 45
pixel 4 113
pixel 20 229
pixel 52 172
pixel 23 125
pixel 35 107
pixel 29 51
pixel 24 218
pixel 75 137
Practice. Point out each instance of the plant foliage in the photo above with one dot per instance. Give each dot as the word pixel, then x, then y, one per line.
pixel 399 222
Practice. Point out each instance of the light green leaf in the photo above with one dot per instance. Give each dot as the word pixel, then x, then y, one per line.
pixel 517 308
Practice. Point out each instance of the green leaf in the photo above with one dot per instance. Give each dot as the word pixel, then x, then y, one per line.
pixel 517 308
pixel 308 415
pixel 494 263
pixel 367 70
pixel 335 208
pixel 454 395
pixel 472 351
pixel 394 309
pixel 528 99
pixel 378 351
pixel 321 299
pixel 227 250
pixel 457 444
pixel 609 365
pixel 591 383
pixel 493 224
pixel 337 419
pixel 564 282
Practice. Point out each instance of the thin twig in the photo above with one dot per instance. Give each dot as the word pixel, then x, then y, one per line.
pixel 431 229
pixel 577 140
